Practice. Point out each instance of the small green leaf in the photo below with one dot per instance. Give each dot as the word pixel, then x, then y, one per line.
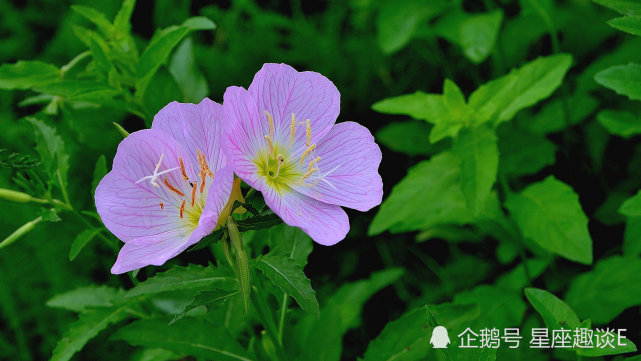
pixel 479 156
pixel 632 237
pixel 555 313
pixel 627 7
pixel 410 137
pixel 52 153
pixel 96 17
pixel 549 213
pixel 185 278
pixel 623 79
pixel 435 182
pixel 190 79
pixel 84 298
pixel 195 337
pixel 632 206
pixel 620 122
pixel 81 241
pixel 417 105
pixel 98 47
pixel 88 325
pixel 606 291
pixel 27 74
pixel 500 307
pixel 208 299
pixel 628 346
pixel 478 34
pixel 629 24
pixel 121 25
pixel 289 277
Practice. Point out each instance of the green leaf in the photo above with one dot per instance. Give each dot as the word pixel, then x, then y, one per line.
pixel 417 105
pixel 411 138
pixel 52 153
pixel 160 47
pixel 242 262
pixel 627 7
pixel 500 307
pixel 88 325
pixel 185 278
pixel 86 90
pixel 84 298
pixel 632 237
pixel 99 171
pixel 623 79
pixel 628 346
pixel 523 153
pixel 289 277
pixel 556 313
pixel 603 293
pixel 162 90
pixel 553 118
pixel 195 337
pixel 27 74
pixel 478 34
pixel 435 182
pixel 629 24
pixel 81 241
pixel 502 98
pixel 208 299
pixel 403 339
pixel 632 206
pixel 620 122
pixel 121 24
pixel 479 156
pixel 549 213
pixel 98 47
pixel 288 241
pixel 96 17
pixel 190 79
pixel 397 21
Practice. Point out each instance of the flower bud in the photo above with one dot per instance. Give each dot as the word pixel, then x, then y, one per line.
pixel 14 196
pixel 18 233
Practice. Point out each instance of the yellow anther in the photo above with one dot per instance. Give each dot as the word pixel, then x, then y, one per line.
pixel 311 164
pixel 308 131
pixel 292 130
pixel 308 173
pixel 270 143
pixel 271 124
pixel 280 159
pixel 307 151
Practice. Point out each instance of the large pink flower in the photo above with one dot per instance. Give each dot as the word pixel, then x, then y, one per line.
pixel 168 187
pixel 282 141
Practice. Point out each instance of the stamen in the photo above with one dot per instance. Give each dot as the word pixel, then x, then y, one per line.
pixel 193 192
pixel 280 160
pixel 311 164
pixel 271 124
pixel 308 132
pixel 292 130
pixel 307 174
pixel 204 167
pixel 182 168
pixel 202 186
pixel 272 150
pixel 309 149
pixel 182 208
pixel 174 188
pixel 162 206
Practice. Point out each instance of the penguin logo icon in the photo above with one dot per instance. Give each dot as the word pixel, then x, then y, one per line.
pixel 440 339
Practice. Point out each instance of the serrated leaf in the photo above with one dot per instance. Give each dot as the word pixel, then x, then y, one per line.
pixel 52 153
pixel 435 182
pixel 195 337
pixel 84 298
pixel 184 278
pixel 160 47
pixel 81 241
pixel 289 277
pixel 623 79
pixel 208 299
pixel 27 74
pixel 556 313
pixel 88 325
pixel 549 213
pixel 606 291
pixel 629 24
pixel 479 155
pixel 620 122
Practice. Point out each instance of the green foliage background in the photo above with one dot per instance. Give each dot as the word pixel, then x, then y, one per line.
pixel 511 165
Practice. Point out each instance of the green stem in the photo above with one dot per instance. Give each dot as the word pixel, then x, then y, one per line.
pixel 281 323
pixel 268 323
pixel 75 61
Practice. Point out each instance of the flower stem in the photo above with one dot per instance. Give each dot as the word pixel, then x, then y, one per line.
pixel 281 322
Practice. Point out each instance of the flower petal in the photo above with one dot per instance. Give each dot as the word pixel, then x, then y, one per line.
pixel 245 134
pixel 131 210
pixel 282 91
pixel 327 224
pixel 195 127
pixel 217 198
pixel 350 156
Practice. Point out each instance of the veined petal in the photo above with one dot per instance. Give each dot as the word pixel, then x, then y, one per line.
pixel 245 135
pixel 197 127
pixel 327 224
pixel 217 198
pixel 152 250
pixel 131 208
pixel 282 91
pixel 348 169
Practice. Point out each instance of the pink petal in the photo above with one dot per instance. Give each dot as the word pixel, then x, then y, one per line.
pixel 349 153
pixel 245 135
pixel 282 91
pixel 131 210
pixel 195 127
pixel 327 224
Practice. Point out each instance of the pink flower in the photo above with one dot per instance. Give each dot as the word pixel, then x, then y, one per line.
pixel 169 187
pixel 282 141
